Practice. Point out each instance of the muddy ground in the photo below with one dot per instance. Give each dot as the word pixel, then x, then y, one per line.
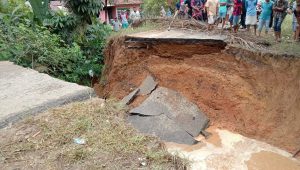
pixel 256 94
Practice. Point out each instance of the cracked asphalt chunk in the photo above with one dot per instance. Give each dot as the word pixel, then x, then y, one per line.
pixel 170 116
pixel 130 97
pixel 162 127
pixel 150 108
pixel 147 86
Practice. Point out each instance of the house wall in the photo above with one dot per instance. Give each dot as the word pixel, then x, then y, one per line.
pixel 116 8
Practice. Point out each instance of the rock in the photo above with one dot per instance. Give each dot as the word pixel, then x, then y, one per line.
pixel 129 98
pixel 162 127
pixel 147 86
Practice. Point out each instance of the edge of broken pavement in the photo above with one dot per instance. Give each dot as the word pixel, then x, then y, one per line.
pixel 15 117
pixel 32 93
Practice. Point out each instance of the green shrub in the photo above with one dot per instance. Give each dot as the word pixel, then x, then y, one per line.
pixel 15 11
pixel 62 23
pixel 45 52
pixel 86 9
pixel 64 47
pixel 153 7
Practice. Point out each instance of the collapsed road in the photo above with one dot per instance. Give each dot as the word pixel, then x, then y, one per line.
pixel 253 93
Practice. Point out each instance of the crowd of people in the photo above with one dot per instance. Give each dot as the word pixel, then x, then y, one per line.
pixel 125 18
pixel 243 14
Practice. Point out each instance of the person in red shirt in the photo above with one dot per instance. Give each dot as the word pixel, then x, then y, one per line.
pixel 237 12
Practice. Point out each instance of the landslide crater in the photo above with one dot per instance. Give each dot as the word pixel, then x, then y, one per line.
pixel 253 93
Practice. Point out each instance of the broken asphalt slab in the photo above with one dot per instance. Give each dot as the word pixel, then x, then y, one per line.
pixel 147 86
pixel 149 108
pixel 185 113
pixel 162 127
pixel 130 97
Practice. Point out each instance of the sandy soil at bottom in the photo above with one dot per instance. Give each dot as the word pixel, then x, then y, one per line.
pixel 226 150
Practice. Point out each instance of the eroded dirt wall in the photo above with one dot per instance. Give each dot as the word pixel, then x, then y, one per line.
pixel 255 94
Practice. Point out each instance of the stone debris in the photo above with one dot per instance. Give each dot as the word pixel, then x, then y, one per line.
pixel 170 116
pixel 149 108
pixel 162 127
pixel 130 97
pixel 147 86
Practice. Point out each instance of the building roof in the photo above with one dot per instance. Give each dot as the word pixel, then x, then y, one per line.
pixel 56 5
pixel 122 2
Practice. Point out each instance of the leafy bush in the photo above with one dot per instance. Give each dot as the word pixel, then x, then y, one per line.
pixel 44 52
pixel 64 47
pixel 40 9
pixel 84 8
pixel 61 23
pixel 15 12
pixel 153 7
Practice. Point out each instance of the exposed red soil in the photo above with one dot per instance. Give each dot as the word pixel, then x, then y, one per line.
pixel 255 94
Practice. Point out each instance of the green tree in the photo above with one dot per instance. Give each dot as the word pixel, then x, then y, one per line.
pixel 153 7
pixel 86 9
pixel 40 9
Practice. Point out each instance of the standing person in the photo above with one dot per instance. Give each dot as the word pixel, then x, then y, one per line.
pixel 124 20
pixel 296 20
pixel 272 18
pixel 297 14
pixel 134 15
pixel 169 13
pixel 162 12
pixel 229 6
pixel 116 24
pixel 189 8
pixel 251 14
pixel 197 9
pixel 279 9
pixel 212 12
pixel 237 12
pixel 243 16
pixel 138 15
pixel 204 12
pixel 265 16
pixel 223 11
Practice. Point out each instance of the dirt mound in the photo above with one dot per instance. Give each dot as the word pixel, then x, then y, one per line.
pixel 252 93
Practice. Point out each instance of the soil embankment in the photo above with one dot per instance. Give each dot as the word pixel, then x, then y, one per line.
pixel 252 93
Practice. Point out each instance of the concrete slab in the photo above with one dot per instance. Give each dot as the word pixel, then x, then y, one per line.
pixel 147 86
pixel 185 113
pixel 26 92
pixel 149 108
pixel 130 97
pixel 177 34
pixel 162 127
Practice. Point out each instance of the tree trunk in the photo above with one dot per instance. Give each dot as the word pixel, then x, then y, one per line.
pixel 105 11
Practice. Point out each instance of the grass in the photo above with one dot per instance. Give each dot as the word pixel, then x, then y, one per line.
pixel 47 141
pixel 287 45
pixel 147 26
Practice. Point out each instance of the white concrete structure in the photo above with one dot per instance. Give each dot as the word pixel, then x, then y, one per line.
pixel 26 92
